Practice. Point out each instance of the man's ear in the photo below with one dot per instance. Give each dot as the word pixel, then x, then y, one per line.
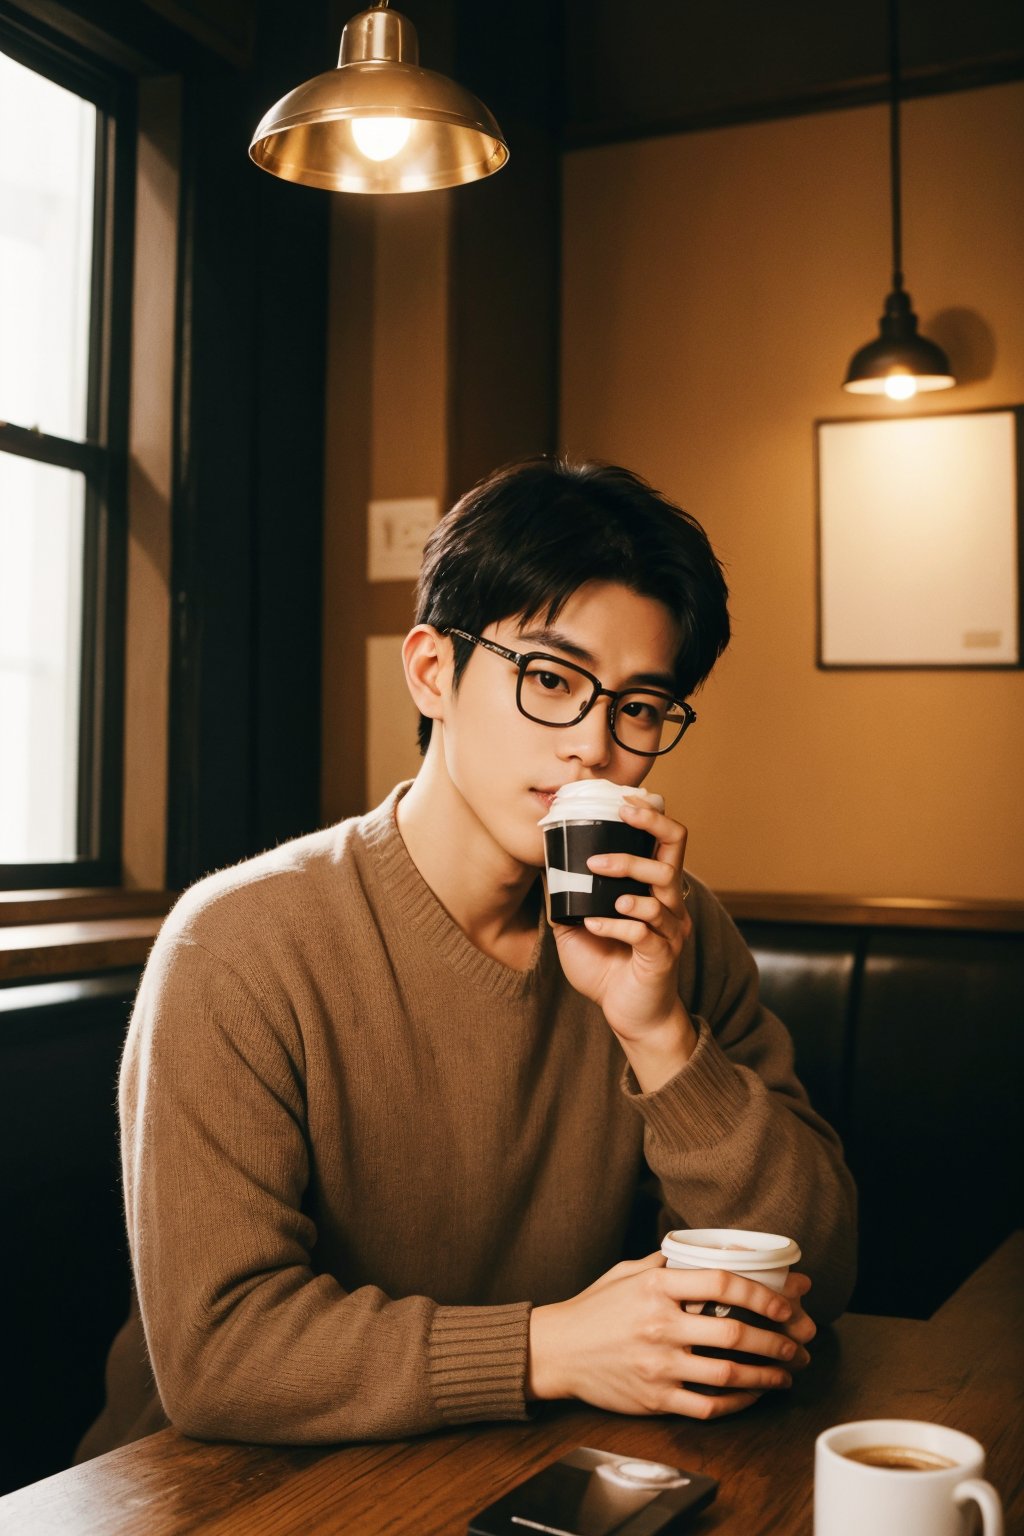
pixel 428 661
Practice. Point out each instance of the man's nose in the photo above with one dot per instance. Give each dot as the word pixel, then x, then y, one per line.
pixel 589 741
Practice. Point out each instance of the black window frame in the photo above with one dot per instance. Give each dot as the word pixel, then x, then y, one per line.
pixel 102 458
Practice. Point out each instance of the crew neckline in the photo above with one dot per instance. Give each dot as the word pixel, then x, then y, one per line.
pixel 432 923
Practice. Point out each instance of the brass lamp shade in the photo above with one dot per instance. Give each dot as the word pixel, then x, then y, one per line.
pixel 898 363
pixel 378 122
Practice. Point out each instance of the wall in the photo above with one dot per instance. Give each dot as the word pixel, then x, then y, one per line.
pixel 714 287
pixel 386 435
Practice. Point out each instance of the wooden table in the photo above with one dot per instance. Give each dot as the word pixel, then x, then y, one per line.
pixel 963 1367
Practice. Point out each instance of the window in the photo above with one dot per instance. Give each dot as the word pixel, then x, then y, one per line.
pixel 65 225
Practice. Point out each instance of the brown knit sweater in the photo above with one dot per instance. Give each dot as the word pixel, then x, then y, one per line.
pixel 356 1150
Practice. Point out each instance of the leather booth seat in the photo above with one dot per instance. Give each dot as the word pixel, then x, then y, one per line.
pixel 911 1042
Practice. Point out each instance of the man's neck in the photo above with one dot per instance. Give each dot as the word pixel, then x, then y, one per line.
pixel 493 898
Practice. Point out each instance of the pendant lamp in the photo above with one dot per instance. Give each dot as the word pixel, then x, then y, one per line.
pixel 378 122
pixel 899 362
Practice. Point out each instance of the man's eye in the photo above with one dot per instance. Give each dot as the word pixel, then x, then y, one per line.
pixel 642 712
pixel 550 681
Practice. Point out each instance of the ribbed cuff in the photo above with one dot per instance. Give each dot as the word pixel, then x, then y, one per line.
pixel 476 1362
pixel 700 1104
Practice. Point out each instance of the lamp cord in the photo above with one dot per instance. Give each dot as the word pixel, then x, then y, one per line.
pixel 894 143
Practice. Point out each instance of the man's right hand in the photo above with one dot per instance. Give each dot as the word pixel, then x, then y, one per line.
pixel 626 1343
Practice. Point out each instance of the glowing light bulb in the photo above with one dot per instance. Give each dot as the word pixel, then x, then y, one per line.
pixel 901 386
pixel 381 138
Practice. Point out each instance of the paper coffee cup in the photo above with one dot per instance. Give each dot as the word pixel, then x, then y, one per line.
pixel 583 820
pixel 763 1256
pixel 766 1257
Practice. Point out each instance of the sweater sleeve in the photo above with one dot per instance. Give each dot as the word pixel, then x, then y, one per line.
pixel 247 1341
pixel 732 1138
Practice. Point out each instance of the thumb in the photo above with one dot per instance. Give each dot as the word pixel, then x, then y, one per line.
pixel 624 1269
pixel 654 1260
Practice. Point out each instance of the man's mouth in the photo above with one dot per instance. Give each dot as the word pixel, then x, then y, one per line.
pixel 545 796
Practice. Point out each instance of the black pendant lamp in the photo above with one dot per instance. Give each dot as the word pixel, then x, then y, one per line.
pixel 899 362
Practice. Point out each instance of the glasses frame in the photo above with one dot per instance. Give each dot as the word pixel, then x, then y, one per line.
pixel 522 660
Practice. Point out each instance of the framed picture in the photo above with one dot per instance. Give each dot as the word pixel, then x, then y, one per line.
pixel 919 540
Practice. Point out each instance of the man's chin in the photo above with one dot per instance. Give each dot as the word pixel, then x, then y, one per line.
pixel 530 860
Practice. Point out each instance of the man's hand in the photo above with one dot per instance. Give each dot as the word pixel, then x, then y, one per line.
pixel 626 1343
pixel 629 965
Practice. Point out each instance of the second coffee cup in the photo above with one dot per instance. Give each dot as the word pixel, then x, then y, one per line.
pixel 583 820
pixel 762 1256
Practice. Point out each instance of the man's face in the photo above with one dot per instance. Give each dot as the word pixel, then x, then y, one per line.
pixel 506 768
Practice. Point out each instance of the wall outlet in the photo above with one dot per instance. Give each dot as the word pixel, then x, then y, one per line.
pixel 397 532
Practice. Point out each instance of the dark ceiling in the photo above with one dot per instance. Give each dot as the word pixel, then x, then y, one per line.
pixel 666 65
pixel 595 70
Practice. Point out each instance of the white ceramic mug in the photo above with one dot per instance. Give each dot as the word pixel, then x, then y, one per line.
pixel 853 1497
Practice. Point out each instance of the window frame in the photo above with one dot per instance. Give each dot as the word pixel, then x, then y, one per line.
pixel 102 458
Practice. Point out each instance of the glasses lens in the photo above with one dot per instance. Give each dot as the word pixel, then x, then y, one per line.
pixel 648 722
pixel 553 691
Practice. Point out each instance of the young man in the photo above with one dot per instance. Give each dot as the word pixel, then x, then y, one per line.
pixel 384 1130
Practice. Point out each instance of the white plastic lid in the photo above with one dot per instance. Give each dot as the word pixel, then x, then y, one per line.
pixel 594 800
pixel 730 1248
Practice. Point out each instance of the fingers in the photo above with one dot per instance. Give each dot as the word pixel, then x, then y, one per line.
pixel 800 1326
pixel 631 866
pixel 733 1375
pixel 649 938
pixel 663 912
pixel 662 873
pixel 698 1405
pixel 721 1285
pixel 670 835
pixel 701 1386
pixel 731 1351
pixel 737 1335
pixel 651 912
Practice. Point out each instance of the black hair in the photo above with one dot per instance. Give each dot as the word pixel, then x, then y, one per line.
pixel 525 539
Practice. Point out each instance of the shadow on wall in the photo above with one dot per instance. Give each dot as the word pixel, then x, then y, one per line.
pixel 967 340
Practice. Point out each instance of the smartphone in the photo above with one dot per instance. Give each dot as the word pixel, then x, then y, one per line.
pixel 596 1493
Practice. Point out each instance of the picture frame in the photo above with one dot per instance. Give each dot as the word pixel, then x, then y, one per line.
pixel 919 540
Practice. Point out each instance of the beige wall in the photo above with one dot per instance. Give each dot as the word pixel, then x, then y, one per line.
pixel 386 438
pixel 715 285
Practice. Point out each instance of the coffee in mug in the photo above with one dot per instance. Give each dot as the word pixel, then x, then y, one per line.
pixel 583 820
pixel 901 1477
pixel 898 1458
pixel 763 1256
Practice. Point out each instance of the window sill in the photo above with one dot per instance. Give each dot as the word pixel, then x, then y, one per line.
pixel 69 933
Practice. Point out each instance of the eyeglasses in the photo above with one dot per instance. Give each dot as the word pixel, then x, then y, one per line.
pixel 558 693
